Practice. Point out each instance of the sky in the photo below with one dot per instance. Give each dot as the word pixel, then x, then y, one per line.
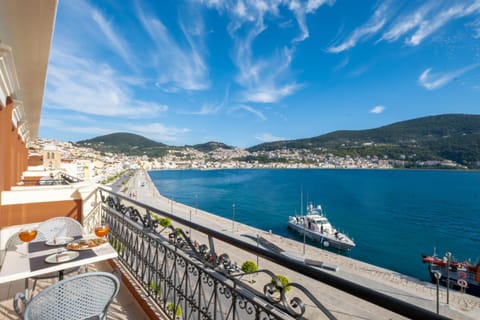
pixel 244 72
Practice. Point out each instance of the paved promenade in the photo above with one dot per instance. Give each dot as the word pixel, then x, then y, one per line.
pixel 342 305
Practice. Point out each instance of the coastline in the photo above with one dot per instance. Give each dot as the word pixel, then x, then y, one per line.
pixel 400 286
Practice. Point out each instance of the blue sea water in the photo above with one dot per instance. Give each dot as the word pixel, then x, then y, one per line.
pixel 393 215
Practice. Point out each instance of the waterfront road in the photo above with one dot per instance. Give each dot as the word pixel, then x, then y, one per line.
pixel 344 306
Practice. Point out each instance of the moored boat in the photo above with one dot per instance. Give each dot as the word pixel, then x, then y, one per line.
pixel 461 275
pixel 316 227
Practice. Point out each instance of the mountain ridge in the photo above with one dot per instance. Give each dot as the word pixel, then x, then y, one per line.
pixel 454 137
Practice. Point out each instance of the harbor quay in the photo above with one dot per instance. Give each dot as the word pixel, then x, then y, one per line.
pixel 342 305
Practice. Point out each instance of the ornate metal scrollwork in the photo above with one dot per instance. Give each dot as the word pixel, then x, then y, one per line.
pixel 188 271
pixel 245 304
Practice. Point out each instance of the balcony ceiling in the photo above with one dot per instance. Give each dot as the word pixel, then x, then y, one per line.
pixel 27 27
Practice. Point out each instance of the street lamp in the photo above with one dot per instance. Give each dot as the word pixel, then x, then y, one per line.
pixel 190 228
pixel 437 276
pixel 258 238
pixel 449 256
pixel 196 203
pixel 233 217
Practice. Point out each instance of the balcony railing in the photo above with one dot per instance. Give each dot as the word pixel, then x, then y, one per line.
pixel 188 280
pixel 61 179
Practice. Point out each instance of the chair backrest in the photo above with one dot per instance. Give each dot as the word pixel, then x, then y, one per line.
pixel 59 227
pixel 11 245
pixel 82 296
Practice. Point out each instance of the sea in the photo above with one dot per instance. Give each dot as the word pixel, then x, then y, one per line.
pixel 394 216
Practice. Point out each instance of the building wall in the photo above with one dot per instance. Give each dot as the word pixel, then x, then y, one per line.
pixel 13 159
pixel 6 145
pixel 35 160
pixel 24 213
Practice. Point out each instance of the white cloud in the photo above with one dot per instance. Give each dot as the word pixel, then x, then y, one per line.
pixel 404 24
pixel 424 21
pixel 158 132
pixel 265 94
pixel 301 10
pixel 85 128
pixel 267 137
pixel 416 25
pixel 264 80
pixel 267 79
pixel 177 66
pixel 476 26
pixel 434 81
pixel 206 109
pixel 91 127
pixel 118 44
pixel 86 86
pixel 251 110
pixel 427 27
pixel 377 109
pixel 371 27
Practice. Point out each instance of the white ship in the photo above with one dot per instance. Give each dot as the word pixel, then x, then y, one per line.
pixel 316 227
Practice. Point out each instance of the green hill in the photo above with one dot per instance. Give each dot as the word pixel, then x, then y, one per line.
pixel 211 146
pixel 454 137
pixel 127 143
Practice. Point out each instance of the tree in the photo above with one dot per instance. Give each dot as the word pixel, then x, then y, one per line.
pixel 249 267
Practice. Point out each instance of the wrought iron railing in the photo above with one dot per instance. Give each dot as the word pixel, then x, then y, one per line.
pixel 189 280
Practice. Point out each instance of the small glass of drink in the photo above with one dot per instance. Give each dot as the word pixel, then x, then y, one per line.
pixel 102 230
pixel 27 235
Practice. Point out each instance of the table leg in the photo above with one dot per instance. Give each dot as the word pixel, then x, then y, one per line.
pixel 27 297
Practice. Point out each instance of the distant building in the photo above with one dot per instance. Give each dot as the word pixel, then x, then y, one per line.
pixel 52 158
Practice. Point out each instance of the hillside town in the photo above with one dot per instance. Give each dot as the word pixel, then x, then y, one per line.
pixel 88 164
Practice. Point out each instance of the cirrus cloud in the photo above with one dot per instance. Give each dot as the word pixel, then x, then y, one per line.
pixel 436 80
pixel 88 87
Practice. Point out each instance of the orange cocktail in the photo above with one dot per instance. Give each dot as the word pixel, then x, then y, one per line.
pixel 102 231
pixel 27 235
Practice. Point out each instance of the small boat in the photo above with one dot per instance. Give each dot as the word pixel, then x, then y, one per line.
pixel 316 227
pixel 461 275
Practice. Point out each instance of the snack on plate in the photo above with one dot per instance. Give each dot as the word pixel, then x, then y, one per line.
pixel 62 257
pixel 85 244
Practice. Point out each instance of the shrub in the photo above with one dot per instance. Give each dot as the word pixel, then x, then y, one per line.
pixel 249 266
pixel 155 288
pixel 178 231
pixel 284 281
pixel 176 310
pixel 165 222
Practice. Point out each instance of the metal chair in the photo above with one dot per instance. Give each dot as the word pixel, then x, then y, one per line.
pixel 84 296
pixel 11 245
pixel 57 227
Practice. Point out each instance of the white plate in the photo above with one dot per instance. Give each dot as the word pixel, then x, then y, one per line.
pixel 53 258
pixel 59 241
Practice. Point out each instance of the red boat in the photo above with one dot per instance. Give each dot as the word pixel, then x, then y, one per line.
pixel 460 275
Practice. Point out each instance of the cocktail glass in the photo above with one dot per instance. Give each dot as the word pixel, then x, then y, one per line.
pixel 27 235
pixel 102 230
